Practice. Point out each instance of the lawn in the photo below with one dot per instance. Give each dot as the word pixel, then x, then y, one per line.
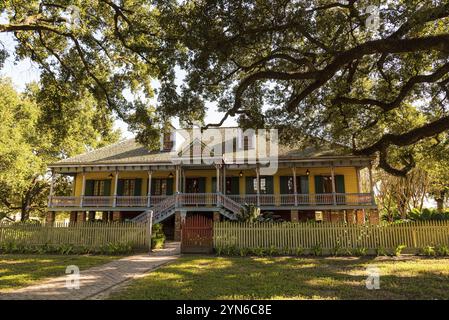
pixel 19 270
pixel 202 277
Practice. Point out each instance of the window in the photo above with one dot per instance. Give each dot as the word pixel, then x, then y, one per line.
pixel 161 187
pixel 129 187
pixel 98 188
pixel 288 187
pixel 266 185
pixel 323 184
pixel 167 143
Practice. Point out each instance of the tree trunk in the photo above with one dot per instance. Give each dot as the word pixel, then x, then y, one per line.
pixel 440 204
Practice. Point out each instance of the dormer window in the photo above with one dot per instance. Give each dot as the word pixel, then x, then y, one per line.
pixel 247 140
pixel 167 141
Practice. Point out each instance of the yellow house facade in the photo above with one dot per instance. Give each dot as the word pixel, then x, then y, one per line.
pixel 126 181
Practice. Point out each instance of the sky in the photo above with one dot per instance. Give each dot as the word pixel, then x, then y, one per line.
pixel 25 71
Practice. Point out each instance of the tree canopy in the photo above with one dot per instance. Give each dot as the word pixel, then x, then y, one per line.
pixel 312 67
pixel 39 127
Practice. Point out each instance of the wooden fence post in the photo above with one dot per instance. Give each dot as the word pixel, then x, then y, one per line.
pixel 149 228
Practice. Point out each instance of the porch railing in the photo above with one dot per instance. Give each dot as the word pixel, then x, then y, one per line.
pixel 213 199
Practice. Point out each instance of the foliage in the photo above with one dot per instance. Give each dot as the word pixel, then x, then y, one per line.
pixel 428 251
pixel 317 249
pixel 269 63
pixel 398 249
pixel 359 251
pixel 381 251
pixel 14 247
pixel 38 128
pixel 249 213
pixel 425 214
pixel 157 237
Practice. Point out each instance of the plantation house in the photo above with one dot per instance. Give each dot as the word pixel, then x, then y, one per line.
pixel 125 180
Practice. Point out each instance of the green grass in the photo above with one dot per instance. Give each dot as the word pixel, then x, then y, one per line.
pixel 202 277
pixel 19 270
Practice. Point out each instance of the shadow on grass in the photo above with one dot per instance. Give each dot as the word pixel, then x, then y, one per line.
pixel 18 270
pixel 206 277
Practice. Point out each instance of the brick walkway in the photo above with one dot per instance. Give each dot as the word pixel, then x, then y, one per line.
pixel 96 280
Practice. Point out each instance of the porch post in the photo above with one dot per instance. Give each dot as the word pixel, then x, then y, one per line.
pixel 83 189
pixel 217 169
pixel 114 203
pixel 177 171
pixel 177 179
pixel 150 173
pixel 295 187
pixel 371 184
pixel 333 184
pixel 258 185
pixel 52 182
pixel 357 171
pixel 223 189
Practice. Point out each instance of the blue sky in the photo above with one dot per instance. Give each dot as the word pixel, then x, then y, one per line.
pixel 25 71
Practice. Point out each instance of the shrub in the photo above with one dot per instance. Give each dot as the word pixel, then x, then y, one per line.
pixel 317 250
pixel 381 251
pixel 359 251
pixel 260 252
pixel 428 251
pixel 398 249
pixel 272 251
pixel 442 250
pixel 243 252
pixel 157 237
pixel 299 251
pixel 337 250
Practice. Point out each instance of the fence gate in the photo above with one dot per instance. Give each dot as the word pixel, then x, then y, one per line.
pixel 197 234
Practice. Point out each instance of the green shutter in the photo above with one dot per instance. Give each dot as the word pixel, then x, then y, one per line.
pixel 214 184
pixel 269 184
pixel 235 185
pixel 284 184
pixel 169 186
pixel 303 184
pixel 340 184
pixel 153 184
pixel 120 187
pixel 89 188
pixel 202 185
pixel 319 188
pixel 138 187
pixel 107 188
pixel 250 186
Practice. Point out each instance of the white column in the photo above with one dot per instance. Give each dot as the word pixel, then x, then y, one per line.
pixel 371 183
pixel 357 171
pixel 177 180
pixel 217 168
pixel 258 185
pixel 149 189
pixel 114 204
pixel 52 183
pixel 333 184
pixel 295 187
pixel 223 188
pixel 83 188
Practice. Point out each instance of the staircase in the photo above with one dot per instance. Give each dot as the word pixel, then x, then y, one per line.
pixel 164 209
